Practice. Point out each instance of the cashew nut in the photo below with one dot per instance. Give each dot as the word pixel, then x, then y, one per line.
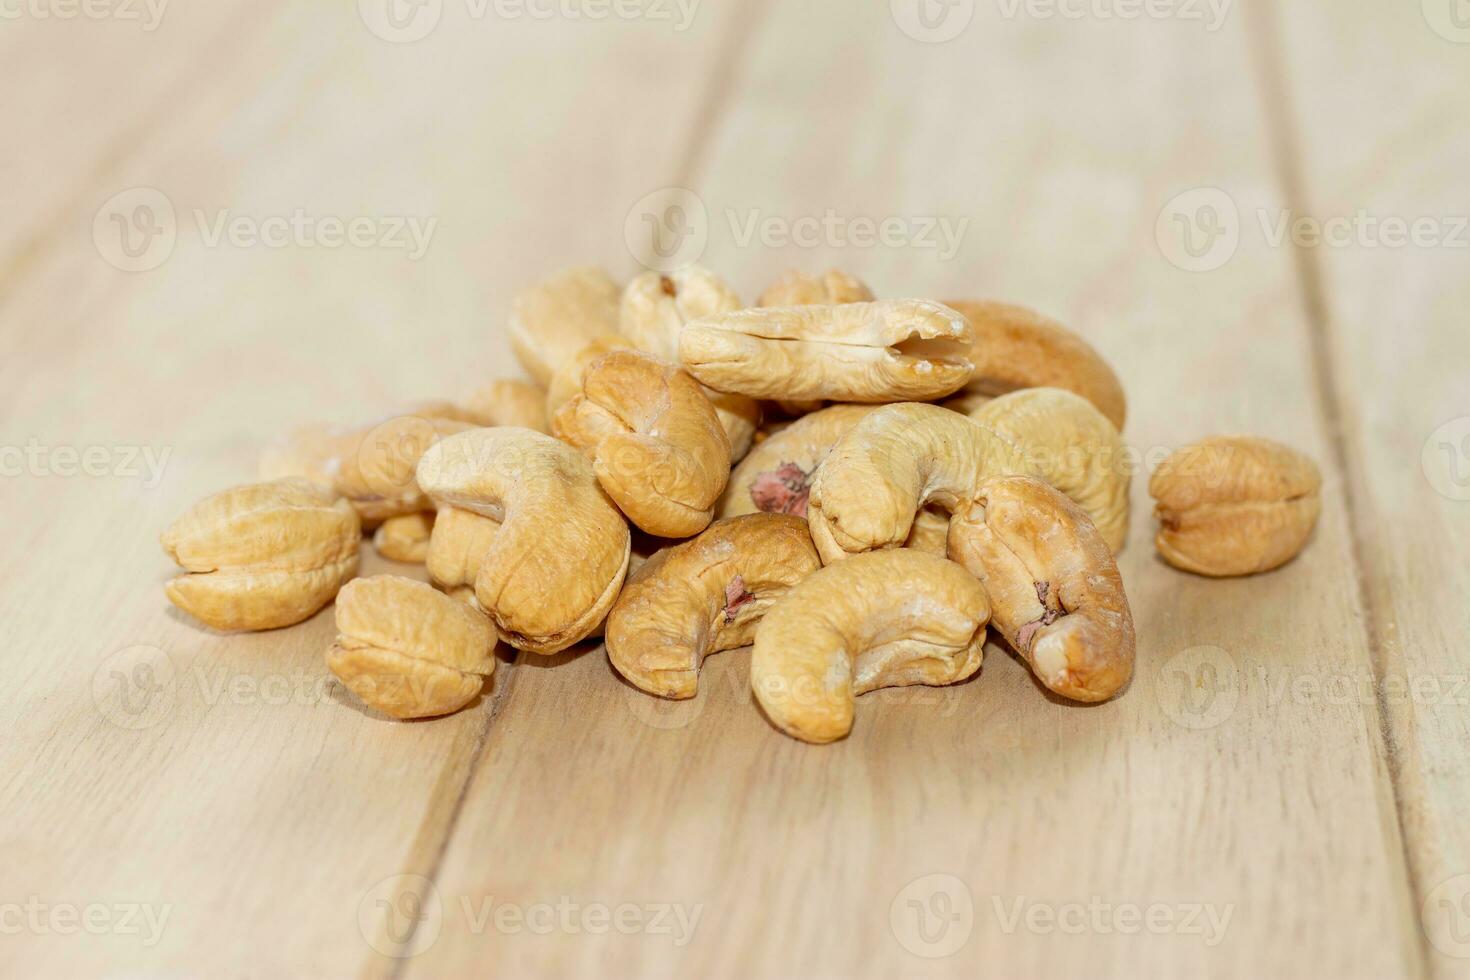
pixel 507 402
pixel 405 538
pixel 861 352
pixel 566 383
pixel 656 444
pixel 796 288
pixel 1019 348
pixel 777 475
pixel 1070 444
pixel 457 544
pixel 883 619
pixel 554 567
pixel 1235 505
pixel 1054 588
pixel 704 596
pixel 559 316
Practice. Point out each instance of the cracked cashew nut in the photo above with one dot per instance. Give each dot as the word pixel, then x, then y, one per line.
pixel 654 311
pixel 406 537
pixel 654 439
pixel 894 350
pixel 1235 505
pixel 1070 444
pixel 882 619
pixel 704 596
pixel 557 317
pixel 1019 348
pixel 554 566
pixel 408 650
pixel 796 288
pixel 1054 588
pixel 263 555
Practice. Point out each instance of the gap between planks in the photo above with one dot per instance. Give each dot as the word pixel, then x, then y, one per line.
pixel 1392 725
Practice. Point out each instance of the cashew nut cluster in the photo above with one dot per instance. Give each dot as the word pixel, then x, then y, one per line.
pixel 557 560
pixel 895 350
pixel 882 619
pixel 704 596
pixel 1054 588
pixel 654 440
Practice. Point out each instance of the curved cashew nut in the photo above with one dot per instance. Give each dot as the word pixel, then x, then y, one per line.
pixel 777 475
pixel 655 309
pixel 883 619
pixel 1019 348
pixel 656 444
pixel 1070 444
pixel 559 316
pixel 1056 593
pixel 554 567
pixel 796 288
pixel 859 352
pixel 457 544
pixel 704 596
pixel 566 383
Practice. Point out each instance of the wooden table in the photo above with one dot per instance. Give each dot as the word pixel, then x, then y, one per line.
pixel 1280 793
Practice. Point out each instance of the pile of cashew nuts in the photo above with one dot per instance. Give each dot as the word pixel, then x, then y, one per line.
pixel 855 488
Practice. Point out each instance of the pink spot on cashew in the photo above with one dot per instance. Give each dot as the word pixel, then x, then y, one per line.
pixel 1027 634
pixel 736 596
pixel 782 491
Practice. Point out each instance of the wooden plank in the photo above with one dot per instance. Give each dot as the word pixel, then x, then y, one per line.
pixel 984 828
pixel 244 801
pixel 1380 150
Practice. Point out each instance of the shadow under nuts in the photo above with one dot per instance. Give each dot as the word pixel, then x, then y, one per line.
pixel 654 440
pixel 1235 505
pixel 407 650
pixel 1055 592
pixel 894 350
pixel 704 596
pixel 263 555
pixel 882 619
pixel 554 567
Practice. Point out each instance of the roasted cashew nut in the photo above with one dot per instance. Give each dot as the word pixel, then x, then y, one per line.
pixel 406 537
pixel 796 288
pixel 1054 588
pixel 559 316
pixel 566 383
pixel 554 567
pixel 507 402
pixel 1071 445
pixel 859 352
pixel 1019 348
pixel 656 444
pixel 882 619
pixel 777 475
pixel 704 596
pixel 458 543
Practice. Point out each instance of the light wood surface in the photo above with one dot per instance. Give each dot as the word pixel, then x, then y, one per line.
pixel 1260 802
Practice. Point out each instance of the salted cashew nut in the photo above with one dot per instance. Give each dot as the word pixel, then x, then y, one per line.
pixel 263 555
pixel 559 316
pixel 777 475
pixel 796 288
pixel 1054 587
pixel 507 402
pixel 882 619
pixel 566 383
pixel 704 596
pixel 407 650
pixel 655 308
pixel 1071 445
pixel 895 350
pixel 1235 505
pixel 1019 348
pixel 654 439
pixel 554 566
pixel 457 545
pixel 405 538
